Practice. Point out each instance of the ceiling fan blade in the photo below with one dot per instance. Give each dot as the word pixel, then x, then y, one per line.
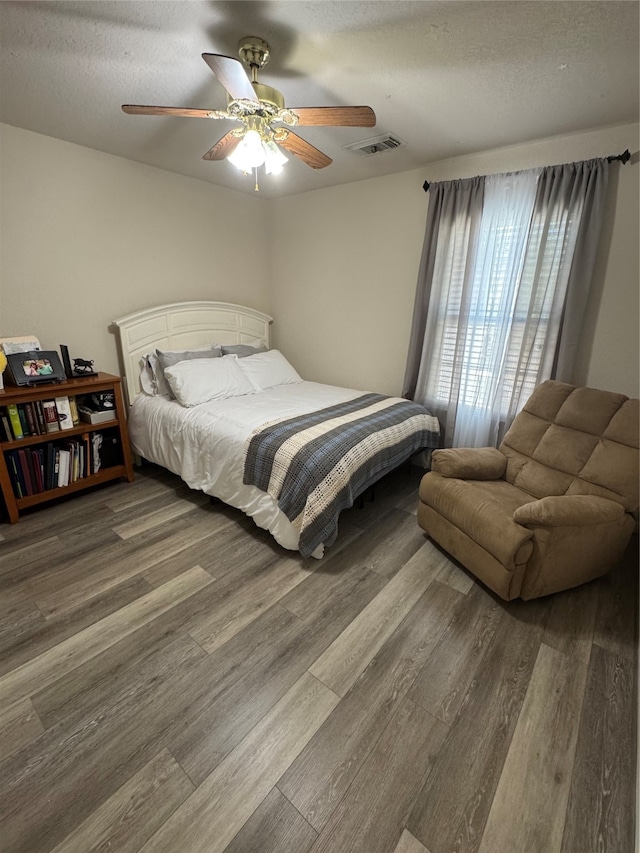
pixel 232 75
pixel 223 147
pixel 305 151
pixel 335 116
pixel 136 110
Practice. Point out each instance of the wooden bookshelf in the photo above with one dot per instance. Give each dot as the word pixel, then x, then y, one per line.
pixel 77 387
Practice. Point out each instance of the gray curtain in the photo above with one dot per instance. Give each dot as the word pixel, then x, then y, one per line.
pixel 550 285
pixel 450 203
pixel 589 181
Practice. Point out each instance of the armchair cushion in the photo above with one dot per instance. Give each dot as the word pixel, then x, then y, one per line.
pixel 478 463
pixel 482 510
pixel 570 511
pixel 573 441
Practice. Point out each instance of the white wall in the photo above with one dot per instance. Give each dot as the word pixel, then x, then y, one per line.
pixel 346 262
pixel 344 276
pixel 86 237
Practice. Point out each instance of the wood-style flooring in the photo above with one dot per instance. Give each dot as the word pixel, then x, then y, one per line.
pixel 173 681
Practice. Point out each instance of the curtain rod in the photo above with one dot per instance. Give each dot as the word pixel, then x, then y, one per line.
pixel 623 158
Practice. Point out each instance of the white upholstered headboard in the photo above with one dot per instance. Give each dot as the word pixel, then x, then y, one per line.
pixel 184 325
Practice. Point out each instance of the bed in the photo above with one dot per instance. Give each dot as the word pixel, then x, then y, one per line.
pixel 289 453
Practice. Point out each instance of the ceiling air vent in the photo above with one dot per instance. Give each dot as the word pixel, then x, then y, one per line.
pixel 377 144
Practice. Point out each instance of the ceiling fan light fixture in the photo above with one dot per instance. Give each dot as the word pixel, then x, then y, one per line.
pixel 249 153
pixel 274 158
pixel 257 147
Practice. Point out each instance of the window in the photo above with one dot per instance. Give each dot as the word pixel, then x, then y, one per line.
pixel 501 265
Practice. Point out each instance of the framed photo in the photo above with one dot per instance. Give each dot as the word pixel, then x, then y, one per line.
pixel 34 367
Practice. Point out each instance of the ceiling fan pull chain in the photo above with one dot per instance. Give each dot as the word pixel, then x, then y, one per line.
pixel 256 188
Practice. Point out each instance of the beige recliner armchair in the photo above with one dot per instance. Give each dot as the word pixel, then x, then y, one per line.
pixel 553 507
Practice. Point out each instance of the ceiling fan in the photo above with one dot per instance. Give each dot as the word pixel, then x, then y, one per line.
pixel 265 122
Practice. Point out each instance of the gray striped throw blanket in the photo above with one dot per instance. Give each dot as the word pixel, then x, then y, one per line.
pixel 317 464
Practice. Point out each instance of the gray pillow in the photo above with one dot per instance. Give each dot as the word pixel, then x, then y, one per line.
pixel 168 359
pixel 242 350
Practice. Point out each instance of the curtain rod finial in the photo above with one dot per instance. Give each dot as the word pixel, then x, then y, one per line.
pixel 623 158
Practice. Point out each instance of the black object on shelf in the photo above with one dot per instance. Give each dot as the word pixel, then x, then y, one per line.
pixel 64 352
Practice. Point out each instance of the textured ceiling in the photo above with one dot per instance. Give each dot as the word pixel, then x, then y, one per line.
pixel 448 78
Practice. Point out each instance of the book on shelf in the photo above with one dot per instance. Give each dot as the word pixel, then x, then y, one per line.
pixel 24 467
pixel 7 435
pixel 48 465
pixel 78 457
pixel 86 441
pixel 34 469
pixel 14 418
pixel 30 416
pixel 64 467
pixel 72 447
pixel 75 417
pixel 15 474
pixel 42 426
pixel 41 457
pixel 33 480
pixel 50 415
pixel 56 468
pixel 23 420
pixel 63 408
pixel 38 468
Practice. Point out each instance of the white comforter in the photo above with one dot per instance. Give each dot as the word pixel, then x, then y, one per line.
pixel 205 445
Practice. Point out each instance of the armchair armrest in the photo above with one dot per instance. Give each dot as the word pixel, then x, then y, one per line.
pixel 469 463
pixel 569 511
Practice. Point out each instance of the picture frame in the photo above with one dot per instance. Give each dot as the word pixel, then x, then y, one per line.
pixel 34 367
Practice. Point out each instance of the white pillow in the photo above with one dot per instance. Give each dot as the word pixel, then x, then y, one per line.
pixel 268 369
pixel 195 382
pixel 171 357
pixel 152 379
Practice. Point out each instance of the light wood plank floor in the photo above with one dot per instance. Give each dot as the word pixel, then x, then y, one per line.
pixel 172 680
